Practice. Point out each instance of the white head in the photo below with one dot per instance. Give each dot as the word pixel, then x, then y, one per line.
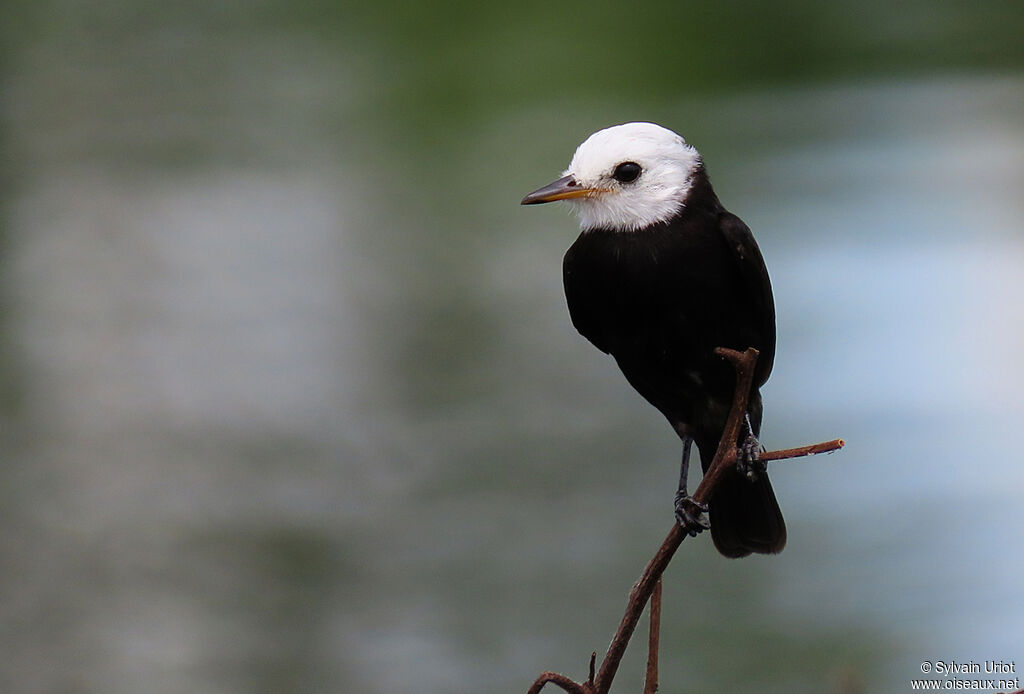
pixel 625 178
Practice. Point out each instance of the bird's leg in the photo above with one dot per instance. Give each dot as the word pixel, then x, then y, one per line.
pixel 748 455
pixel 689 513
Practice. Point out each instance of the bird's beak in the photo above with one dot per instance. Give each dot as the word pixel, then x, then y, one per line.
pixel 562 189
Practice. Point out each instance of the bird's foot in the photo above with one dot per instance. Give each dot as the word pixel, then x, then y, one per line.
pixel 748 460
pixel 690 514
pixel 748 456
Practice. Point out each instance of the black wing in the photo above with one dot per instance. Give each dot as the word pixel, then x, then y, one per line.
pixel 754 276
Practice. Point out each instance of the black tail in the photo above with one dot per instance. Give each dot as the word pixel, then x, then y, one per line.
pixel 745 517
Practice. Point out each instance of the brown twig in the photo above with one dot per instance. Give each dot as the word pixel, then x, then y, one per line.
pixel 813 449
pixel 743 363
pixel 651 680
pixel 560 681
pixel 725 457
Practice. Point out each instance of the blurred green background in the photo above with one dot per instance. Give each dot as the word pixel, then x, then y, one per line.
pixel 290 402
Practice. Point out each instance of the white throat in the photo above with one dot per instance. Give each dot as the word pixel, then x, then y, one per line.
pixel 667 165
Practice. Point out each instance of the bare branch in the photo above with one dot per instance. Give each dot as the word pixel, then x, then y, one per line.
pixel 743 363
pixel 559 681
pixel 813 449
pixel 651 680
pixel 650 579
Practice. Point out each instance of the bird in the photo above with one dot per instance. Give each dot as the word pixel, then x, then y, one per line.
pixel 659 277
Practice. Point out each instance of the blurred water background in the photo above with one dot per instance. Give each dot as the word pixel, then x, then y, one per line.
pixel 290 401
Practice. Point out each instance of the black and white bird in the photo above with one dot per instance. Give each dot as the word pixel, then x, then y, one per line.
pixel 660 276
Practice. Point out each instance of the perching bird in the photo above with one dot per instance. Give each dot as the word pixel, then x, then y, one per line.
pixel 660 276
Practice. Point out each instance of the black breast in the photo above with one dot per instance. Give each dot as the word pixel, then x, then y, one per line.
pixel 661 299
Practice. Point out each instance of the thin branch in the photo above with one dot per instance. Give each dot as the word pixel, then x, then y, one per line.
pixel 559 681
pixel 651 680
pixel 743 363
pixel 725 458
pixel 813 449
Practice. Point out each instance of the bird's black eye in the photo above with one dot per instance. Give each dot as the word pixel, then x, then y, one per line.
pixel 626 172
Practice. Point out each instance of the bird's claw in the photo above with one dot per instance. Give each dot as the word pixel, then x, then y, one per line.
pixel 748 455
pixel 691 515
pixel 748 458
